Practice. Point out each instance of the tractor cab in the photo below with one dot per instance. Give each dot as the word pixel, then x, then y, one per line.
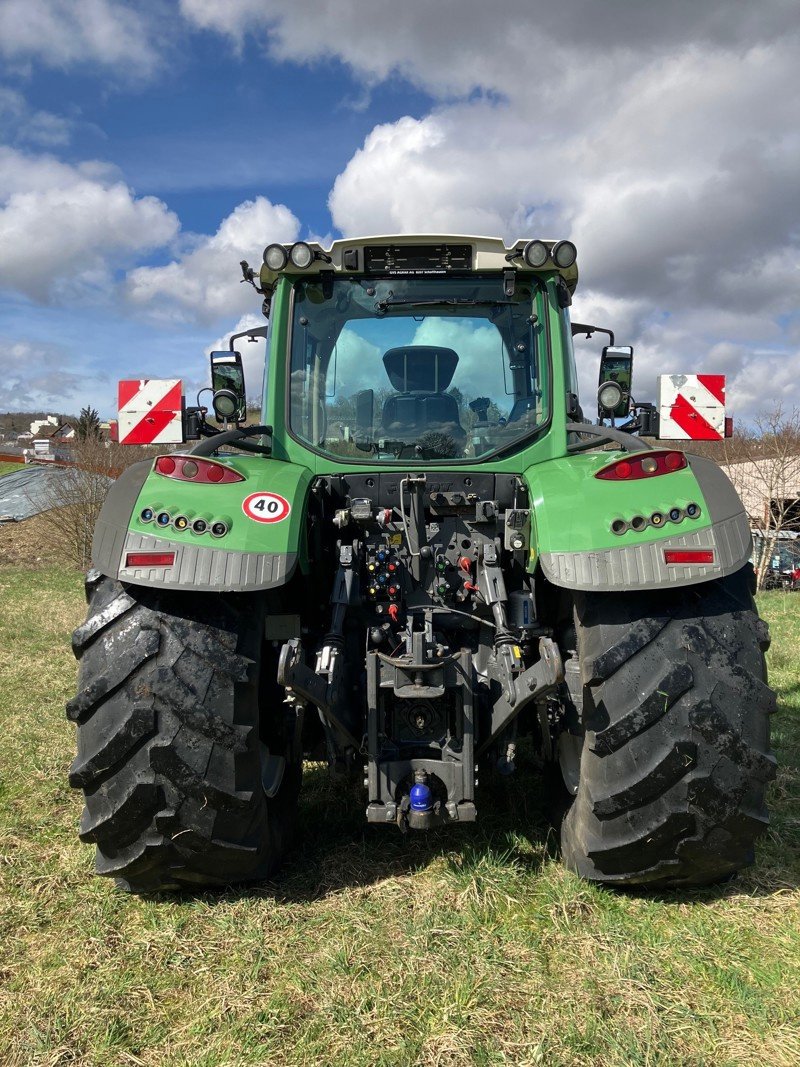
pixel 424 368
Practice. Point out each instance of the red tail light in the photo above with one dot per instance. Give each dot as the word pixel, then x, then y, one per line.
pixel 688 555
pixel 150 559
pixel 189 469
pixel 643 465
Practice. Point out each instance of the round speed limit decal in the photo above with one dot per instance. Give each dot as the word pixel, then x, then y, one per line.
pixel 266 507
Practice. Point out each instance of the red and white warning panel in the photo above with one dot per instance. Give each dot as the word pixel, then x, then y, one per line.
pixel 691 407
pixel 150 411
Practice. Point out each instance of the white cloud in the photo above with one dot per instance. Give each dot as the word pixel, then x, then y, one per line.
pixel 34 377
pixel 205 281
pixel 20 122
pixel 456 46
pixel 65 228
pixel 63 33
pixel 357 364
pixel 672 167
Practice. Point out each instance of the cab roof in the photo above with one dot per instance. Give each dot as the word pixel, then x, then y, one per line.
pixel 418 254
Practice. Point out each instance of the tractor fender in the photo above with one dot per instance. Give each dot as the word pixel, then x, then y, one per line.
pixel 575 515
pixel 252 555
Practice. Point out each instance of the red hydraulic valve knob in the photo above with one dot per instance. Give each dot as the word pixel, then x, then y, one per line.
pixel 465 564
pixel 394 611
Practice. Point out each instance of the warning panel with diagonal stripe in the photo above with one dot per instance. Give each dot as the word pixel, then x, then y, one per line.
pixel 150 411
pixel 691 407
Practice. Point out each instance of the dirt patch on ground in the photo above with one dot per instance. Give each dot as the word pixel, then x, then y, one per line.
pixel 33 543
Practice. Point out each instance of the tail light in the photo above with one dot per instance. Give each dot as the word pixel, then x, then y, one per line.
pixel 643 465
pixel 202 471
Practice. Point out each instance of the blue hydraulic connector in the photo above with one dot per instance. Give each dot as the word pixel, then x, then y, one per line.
pixel 421 795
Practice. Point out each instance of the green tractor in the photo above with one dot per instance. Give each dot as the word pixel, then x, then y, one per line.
pixel 422 554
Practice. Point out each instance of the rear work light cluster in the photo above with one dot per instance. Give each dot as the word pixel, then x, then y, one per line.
pixel 644 465
pixel 198 525
pixel 199 471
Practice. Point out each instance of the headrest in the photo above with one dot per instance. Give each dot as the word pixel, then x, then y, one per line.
pixel 420 368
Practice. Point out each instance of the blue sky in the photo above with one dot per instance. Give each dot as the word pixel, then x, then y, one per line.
pixel 146 147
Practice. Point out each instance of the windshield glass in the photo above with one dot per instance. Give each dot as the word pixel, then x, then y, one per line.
pixel 416 368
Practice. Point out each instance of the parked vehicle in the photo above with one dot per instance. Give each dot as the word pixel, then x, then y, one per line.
pixel 417 557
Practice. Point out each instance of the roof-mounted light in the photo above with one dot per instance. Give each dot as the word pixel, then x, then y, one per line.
pixel 275 257
pixel 536 254
pixel 564 254
pixel 301 255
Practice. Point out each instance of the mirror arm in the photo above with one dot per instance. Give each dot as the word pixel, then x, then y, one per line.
pixel 237 437
pixel 255 331
pixel 580 327
pixel 606 433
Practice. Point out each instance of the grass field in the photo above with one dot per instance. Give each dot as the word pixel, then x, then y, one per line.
pixel 470 947
pixel 9 468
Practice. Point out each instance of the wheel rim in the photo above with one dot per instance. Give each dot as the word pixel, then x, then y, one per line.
pixel 569 758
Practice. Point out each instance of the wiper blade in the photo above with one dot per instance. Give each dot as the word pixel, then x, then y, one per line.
pixel 383 305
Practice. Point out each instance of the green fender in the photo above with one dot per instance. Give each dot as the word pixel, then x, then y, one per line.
pixel 575 515
pixel 256 552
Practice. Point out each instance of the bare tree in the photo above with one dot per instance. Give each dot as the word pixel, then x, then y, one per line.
pixel 76 495
pixel 764 465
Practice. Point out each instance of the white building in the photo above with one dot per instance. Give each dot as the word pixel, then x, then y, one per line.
pixel 49 421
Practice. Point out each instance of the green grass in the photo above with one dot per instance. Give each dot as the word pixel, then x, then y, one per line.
pixel 9 468
pixel 472 946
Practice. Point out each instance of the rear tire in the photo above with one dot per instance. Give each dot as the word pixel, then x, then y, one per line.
pixel 675 757
pixel 169 753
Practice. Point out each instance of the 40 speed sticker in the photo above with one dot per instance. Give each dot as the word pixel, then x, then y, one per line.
pixel 266 507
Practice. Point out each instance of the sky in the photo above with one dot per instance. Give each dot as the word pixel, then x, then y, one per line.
pixel 147 147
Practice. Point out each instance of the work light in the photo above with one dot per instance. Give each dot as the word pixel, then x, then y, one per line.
pixel 275 257
pixel 535 254
pixel 301 255
pixel 564 254
pixel 609 395
pixel 225 403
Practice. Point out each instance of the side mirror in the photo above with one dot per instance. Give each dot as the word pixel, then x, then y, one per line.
pixel 227 377
pixel 616 366
pixel 365 403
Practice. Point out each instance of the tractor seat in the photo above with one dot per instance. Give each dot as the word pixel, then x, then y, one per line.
pixel 420 374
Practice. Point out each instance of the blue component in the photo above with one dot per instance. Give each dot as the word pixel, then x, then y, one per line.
pixel 421 797
pixel 381 557
pixel 382 579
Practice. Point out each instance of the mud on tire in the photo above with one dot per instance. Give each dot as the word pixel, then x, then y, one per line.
pixel 676 757
pixel 169 754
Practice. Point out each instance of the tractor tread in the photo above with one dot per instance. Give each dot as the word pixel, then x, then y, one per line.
pixel 176 695
pixel 671 789
pixel 169 754
pixel 678 762
pixel 603 665
pixel 88 631
pixel 102 685
pixel 113 744
pixel 654 706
